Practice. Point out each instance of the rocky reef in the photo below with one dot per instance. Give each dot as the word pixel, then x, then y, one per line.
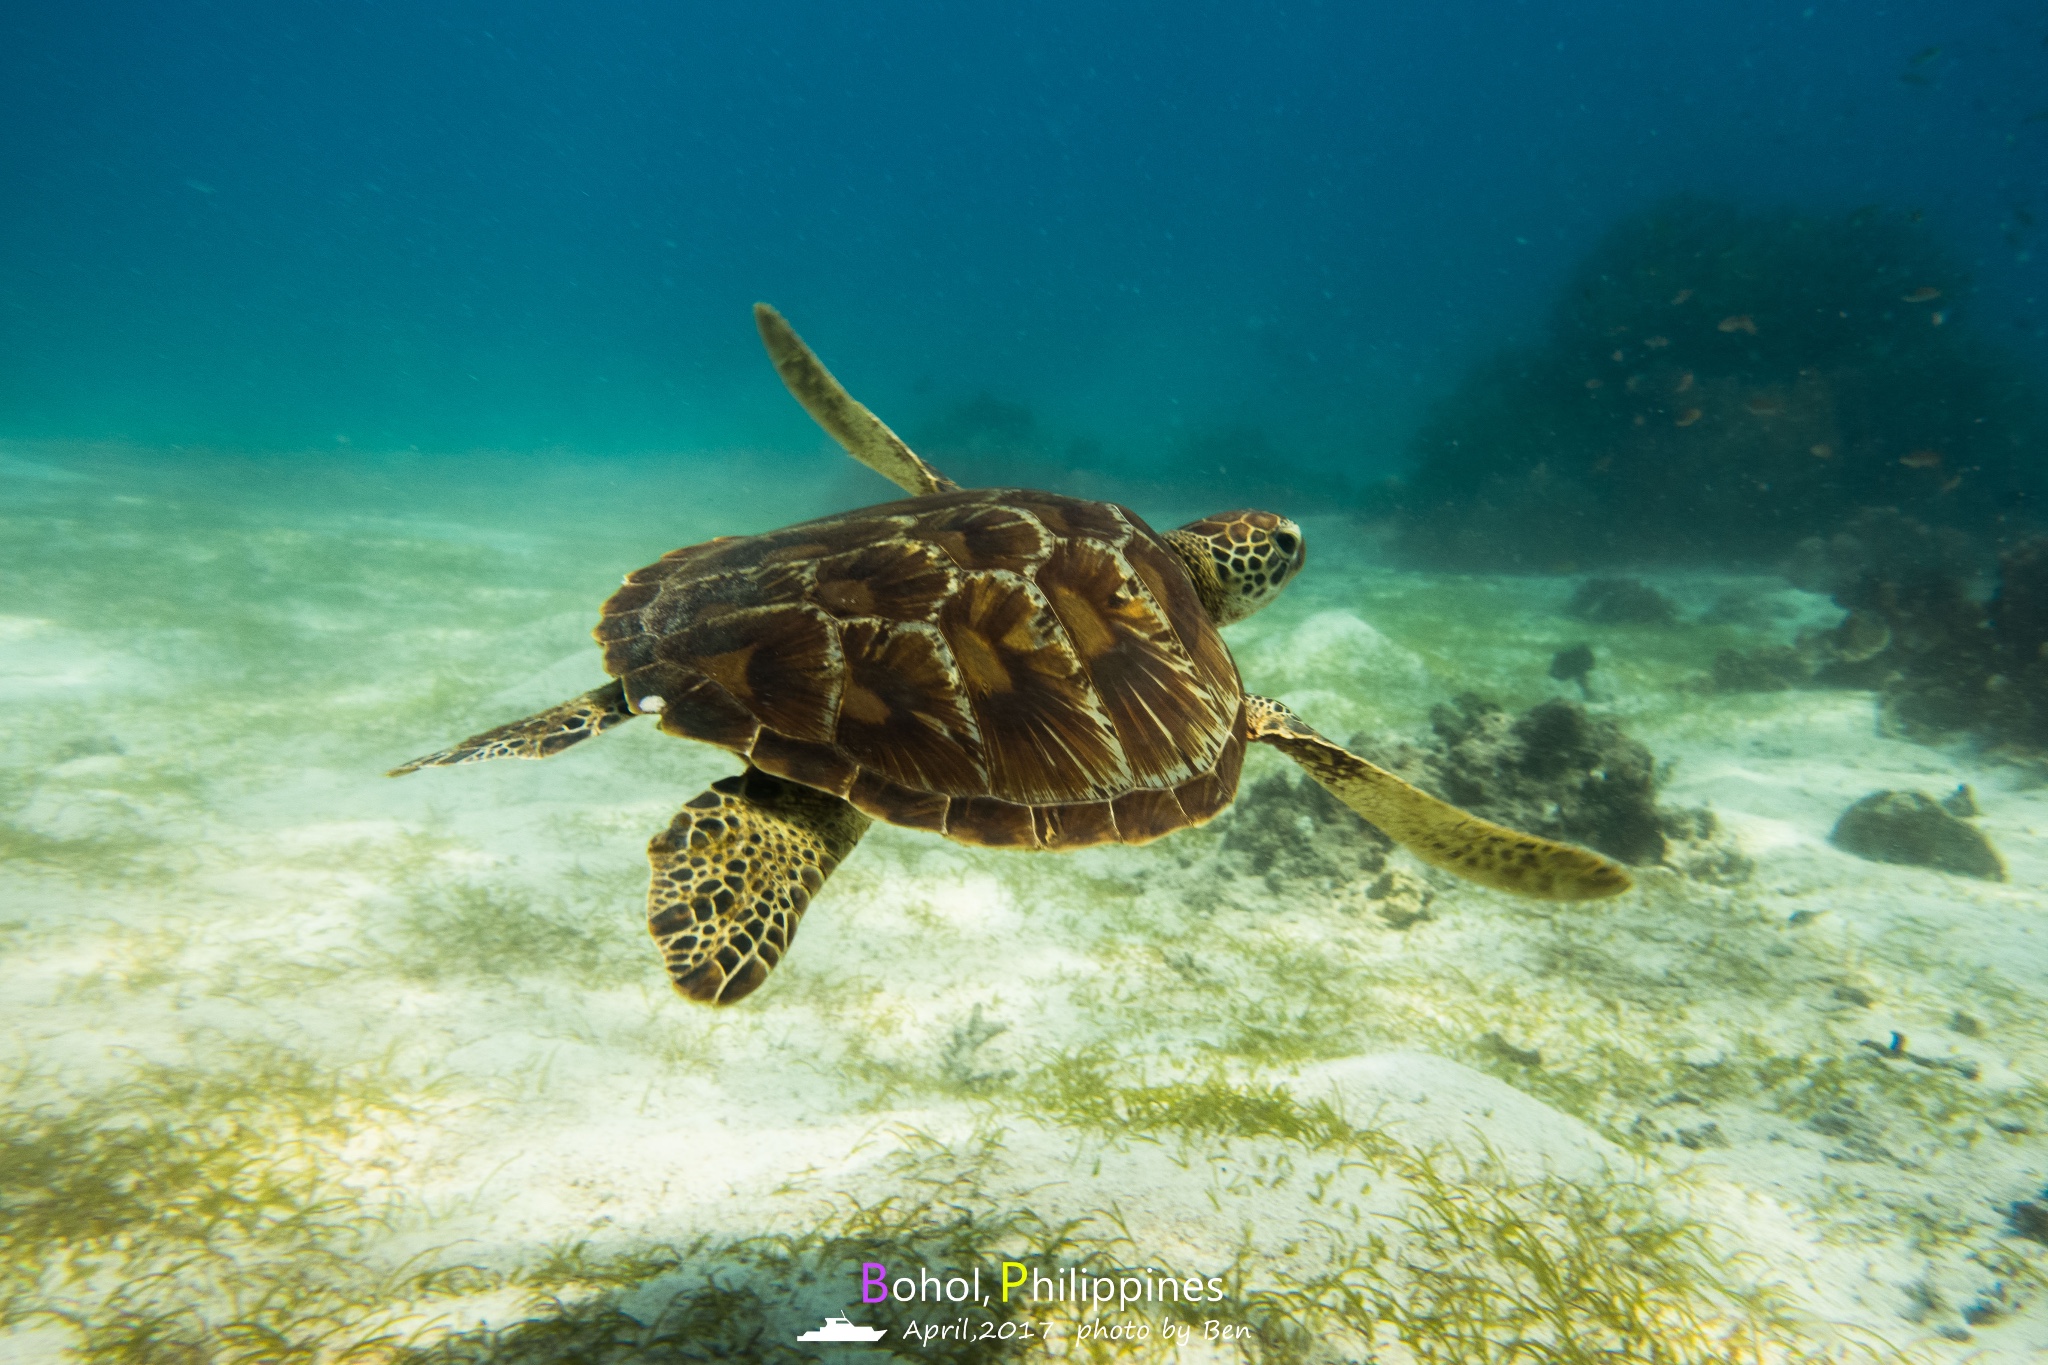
pixel 1944 656
pixel 1718 384
pixel 1914 829
pixel 1287 829
pixel 1563 772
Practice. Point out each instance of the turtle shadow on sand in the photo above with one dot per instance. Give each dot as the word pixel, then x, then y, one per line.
pixel 1004 667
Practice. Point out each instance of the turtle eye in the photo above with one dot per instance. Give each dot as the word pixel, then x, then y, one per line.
pixel 1286 541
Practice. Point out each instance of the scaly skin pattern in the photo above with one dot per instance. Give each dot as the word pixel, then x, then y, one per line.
pixel 1438 833
pixel 1240 560
pixel 542 735
pixel 733 874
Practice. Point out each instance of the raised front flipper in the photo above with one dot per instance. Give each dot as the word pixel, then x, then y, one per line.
pixel 733 873
pixel 863 434
pixel 542 735
pixel 1438 833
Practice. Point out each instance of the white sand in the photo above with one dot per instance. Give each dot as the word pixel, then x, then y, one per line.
pixel 281 892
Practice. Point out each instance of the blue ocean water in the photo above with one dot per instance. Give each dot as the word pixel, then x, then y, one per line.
pixel 1662 393
pixel 453 227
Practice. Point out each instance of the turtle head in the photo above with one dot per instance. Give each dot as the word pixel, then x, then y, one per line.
pixel 1239 560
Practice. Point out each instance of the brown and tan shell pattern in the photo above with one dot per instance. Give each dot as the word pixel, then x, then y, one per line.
pixel 1003 667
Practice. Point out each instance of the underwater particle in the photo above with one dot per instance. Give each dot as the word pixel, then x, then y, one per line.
pixel 1951 483
pixel 1921 459
pixel 1821 450
pixel 1738 322
pixel 1680 297
pixel 1618 356
pixel 1701 1137
pixel 1507 1051
pixel 1687 418
pixel 650 702
pixel 1912 829
pixel 1938 316
pixel 1592 383
pixel 1764 405
pixel 2028 1219
pixel 1656 343
pixel 1621 602
pixel 1572 665
pixel 1924 294
pixel 1684 383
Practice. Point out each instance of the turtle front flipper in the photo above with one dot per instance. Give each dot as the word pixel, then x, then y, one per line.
pixel 541 735
pixel 733 873
pixel 1438 833
pixel 865 436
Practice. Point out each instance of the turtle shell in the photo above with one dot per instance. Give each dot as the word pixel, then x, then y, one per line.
pixel 1000 666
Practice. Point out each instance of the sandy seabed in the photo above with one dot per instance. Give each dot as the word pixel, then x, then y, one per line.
pixel 307 1064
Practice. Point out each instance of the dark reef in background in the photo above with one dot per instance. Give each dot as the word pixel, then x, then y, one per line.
pixel 1942 659
pixel 1718 385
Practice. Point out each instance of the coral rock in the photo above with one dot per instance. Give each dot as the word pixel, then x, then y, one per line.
pixel 1912 828
pixel 1293 831
pixel 1554 770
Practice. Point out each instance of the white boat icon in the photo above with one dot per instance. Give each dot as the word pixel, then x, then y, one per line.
pixel 840 1329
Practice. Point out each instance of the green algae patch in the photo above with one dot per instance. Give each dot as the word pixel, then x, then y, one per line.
pixel 192 1213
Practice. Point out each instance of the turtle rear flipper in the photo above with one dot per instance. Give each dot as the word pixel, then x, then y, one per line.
pixel 733 874
pixel 542 735
pixel 1438 833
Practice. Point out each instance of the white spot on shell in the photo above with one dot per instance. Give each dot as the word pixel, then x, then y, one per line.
pixel 650 702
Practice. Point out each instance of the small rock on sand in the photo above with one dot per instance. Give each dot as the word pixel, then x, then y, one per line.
pixel 1912 828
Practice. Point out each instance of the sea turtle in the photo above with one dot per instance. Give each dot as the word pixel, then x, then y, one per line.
pixel 1005 667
